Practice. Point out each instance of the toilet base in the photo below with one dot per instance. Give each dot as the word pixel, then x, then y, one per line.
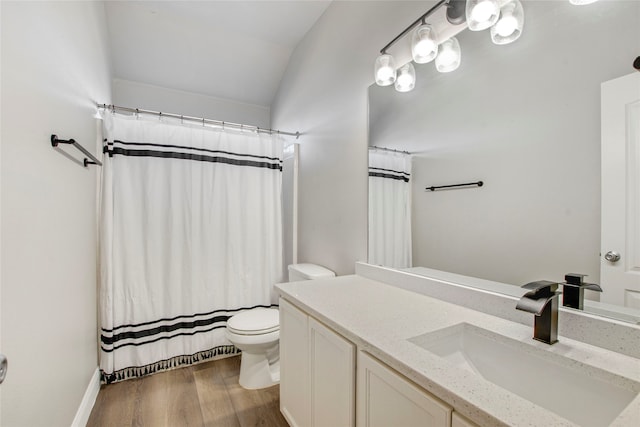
pixel 258 371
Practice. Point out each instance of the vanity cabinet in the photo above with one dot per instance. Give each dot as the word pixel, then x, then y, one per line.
pixel 386 398
pixel 317 380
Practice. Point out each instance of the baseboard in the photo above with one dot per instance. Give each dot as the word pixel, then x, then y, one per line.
pixel 88 400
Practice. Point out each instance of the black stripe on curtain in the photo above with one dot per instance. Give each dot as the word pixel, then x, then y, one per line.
pixel 111 341
pixel 389 174
pixel 195 154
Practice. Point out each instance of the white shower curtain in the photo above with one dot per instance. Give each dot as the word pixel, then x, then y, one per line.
pixel 389 208
pixel 190 234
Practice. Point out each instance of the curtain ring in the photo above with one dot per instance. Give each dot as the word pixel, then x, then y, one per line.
pixel 223 125
pixel 181 119
pixel 203 122
pixel 160 116
pixel 137 114
pixel 241 128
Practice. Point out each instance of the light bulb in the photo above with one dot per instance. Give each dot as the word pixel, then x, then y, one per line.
pixel 506 26
pixel 385 70
pixel 509 27
pixel 385 73
pixel 423 44
pixel 425 47
pixel 481 14
pixel 406 80
pixel 448 58
pixel 483 10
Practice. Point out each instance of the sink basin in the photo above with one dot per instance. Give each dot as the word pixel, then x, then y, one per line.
pixel 582 394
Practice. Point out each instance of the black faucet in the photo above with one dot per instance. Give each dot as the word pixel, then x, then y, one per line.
pixel 542 300
pixel 573 290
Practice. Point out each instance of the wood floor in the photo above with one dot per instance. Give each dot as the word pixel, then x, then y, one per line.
pixel 207 394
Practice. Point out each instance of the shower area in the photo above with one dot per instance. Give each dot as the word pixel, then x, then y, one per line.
pixel 190 233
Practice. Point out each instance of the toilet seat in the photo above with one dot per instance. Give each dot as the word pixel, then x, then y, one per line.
pixel 257 321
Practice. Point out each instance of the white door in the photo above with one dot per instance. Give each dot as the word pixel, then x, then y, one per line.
pixel 620 247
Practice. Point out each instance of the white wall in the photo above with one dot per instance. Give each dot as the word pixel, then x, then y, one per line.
pixel 149 97
pixel 54 69
pixel 324 95
pixel 525 119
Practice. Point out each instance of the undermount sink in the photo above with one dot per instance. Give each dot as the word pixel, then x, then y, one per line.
pixel 582 394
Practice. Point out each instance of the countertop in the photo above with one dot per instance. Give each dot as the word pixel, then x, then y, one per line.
pixel 380 318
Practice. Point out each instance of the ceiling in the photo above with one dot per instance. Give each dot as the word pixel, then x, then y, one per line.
pixel 236 50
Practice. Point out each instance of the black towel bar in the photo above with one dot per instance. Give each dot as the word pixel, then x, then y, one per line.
pixel 467 184
pixel 92 160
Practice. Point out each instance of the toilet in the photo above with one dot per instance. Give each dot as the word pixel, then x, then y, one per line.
pixel 256 333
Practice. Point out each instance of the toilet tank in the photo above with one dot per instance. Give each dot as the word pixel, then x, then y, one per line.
pixel 299 272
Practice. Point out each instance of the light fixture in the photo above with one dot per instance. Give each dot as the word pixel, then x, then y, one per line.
pixel 506 25
pixel 481 14
pixel 424 46
pixel 509 27
pixel 582 2
pixel 406 80
pixel 448 58
pixel 385 70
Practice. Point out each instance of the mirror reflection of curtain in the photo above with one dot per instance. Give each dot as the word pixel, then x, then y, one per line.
pixel 389 208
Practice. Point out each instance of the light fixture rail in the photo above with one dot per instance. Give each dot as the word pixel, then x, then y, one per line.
pixel 200 120
pixel 421 19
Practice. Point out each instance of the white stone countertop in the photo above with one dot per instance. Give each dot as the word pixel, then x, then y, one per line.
pixel 380 318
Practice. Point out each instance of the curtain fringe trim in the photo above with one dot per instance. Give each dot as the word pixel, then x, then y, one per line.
pixel 166 365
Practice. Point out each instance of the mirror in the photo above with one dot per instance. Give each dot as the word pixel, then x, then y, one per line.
pixel 524 119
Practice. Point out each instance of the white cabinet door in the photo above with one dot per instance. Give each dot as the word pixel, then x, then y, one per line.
pixel 459 421
pixel 294 365
pixel 317 372
pixel 385 399
pixel 332 377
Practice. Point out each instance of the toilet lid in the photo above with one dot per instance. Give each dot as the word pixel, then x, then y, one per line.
pixel 256 321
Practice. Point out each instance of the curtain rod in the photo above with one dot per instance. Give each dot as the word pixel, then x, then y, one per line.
pixel 220 123
pixel 375 147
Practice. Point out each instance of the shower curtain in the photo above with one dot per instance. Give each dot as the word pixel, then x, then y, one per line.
pixel 389 208
pixel 190 234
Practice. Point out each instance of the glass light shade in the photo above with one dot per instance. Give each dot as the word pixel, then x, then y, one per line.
pixel 424 46
pixel 481 14
pixel 582 2
pixel 385 70
pixel 406 80
pixel 509 27
pixel 448 58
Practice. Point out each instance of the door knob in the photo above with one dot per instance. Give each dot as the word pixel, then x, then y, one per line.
pixel 612 256
pixel 3 367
